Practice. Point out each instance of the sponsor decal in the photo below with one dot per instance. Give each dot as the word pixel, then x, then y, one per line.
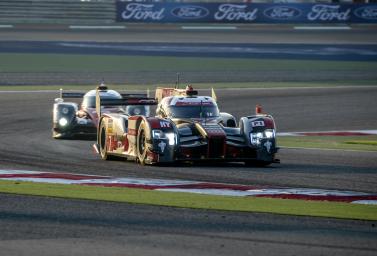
pixel 192 186
pixel 367 12
pixel 282 12
pixel 143 12
pixel 245 12
pixel 162 146
pixel 324 12
pixel 164 124
pixel 190 12
pixel 268 145
pixel 235 12
pixel 257 123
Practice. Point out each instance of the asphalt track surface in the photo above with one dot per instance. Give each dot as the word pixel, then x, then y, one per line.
pixel 47 226
pixel 350 52
pixel 41 225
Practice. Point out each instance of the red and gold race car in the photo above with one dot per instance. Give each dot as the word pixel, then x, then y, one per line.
pixel 187 127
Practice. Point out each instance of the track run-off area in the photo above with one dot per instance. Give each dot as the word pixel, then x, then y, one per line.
pixel 40 225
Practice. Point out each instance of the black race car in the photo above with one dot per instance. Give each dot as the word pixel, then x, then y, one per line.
pixel 71 119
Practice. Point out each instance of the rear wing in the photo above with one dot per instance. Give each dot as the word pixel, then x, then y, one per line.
pixel 71 95
pixel 126 100
pixel 162 92
pixel 134 95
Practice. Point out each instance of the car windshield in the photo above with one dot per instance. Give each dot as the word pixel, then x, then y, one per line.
pixel 193 111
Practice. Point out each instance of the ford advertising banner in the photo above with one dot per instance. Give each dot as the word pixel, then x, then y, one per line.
pixel 245 13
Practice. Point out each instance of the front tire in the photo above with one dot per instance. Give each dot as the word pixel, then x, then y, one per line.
pixel 103 141
pixel 141 144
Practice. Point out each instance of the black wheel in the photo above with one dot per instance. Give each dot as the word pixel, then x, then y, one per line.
pixel 102 141
pixel 141 144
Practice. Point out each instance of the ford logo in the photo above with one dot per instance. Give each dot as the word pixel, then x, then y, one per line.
pixel 367 12
pixel 282 12
pixel 190 12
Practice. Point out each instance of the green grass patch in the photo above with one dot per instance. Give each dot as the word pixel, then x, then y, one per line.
pixel 364 143
pixel 195 201
pixel 31 62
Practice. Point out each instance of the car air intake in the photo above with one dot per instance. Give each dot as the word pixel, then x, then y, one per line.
pixel 216 140
pixel 216 147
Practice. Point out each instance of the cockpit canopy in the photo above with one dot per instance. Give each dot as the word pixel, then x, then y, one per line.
pixel 188 107
pixel 89 100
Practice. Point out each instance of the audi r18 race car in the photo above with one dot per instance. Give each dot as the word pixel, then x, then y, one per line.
pixel 187 127
pixel 71 119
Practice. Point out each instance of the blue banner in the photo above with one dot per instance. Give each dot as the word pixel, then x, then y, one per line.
pixel 151 12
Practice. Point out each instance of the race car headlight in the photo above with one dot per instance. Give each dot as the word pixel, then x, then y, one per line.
pixel 255 138
pixel 269 133
pixel 158 134
pixel 63 121
pixel 171 138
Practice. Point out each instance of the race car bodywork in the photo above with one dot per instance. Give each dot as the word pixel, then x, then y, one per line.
pixel 71 119
pixel 190 128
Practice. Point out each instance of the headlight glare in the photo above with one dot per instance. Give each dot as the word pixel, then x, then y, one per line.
pixel 171 138
pixel 63 121
pixel 269 133
pixel 255 138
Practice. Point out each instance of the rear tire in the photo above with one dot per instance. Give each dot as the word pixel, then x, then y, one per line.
pixel 141 144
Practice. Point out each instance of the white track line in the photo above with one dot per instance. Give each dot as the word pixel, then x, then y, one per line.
pixel 366 132
pixel 96 27
pixel 331 149
pixel 208 27
pixel 322 28
pixel 6 26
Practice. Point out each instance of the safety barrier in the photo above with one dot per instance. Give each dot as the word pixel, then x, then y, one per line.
pixel 268 13
pixel 181 11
